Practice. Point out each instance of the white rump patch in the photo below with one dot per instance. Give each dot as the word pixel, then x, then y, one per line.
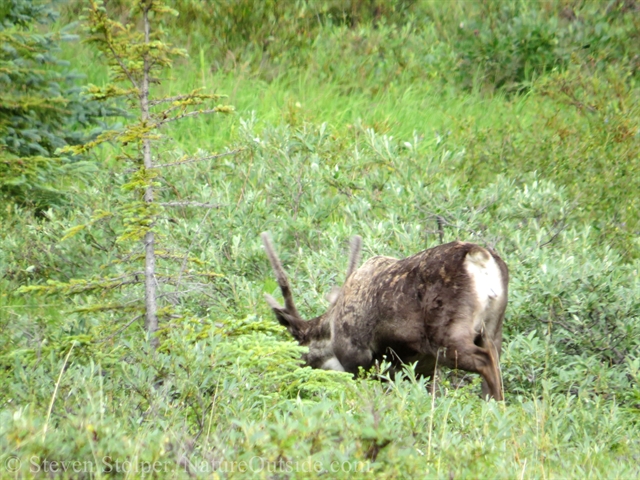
pixel 332 364
pixel 486 275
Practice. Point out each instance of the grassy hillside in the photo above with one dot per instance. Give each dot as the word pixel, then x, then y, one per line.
pixel 517 125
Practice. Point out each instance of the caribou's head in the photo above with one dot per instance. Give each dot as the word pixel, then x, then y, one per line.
pixel 314 333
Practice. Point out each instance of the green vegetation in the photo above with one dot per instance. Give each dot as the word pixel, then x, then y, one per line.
pixel 517 124
pixel 136 59
pixel 41 109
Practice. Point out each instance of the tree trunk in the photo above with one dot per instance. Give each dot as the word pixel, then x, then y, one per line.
pixel 151 318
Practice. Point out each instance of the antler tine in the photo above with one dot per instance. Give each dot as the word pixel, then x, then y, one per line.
pixel 281 277
pixel 354 254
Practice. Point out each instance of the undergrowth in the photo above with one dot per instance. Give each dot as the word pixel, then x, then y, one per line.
pixel 374 124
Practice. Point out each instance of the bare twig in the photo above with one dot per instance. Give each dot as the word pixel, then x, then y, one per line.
pixel 189 204
pixel 244 183
pixel 120 330
pixel 177 293
pixel 555 235
pixel 186 255
pixel 441 222
pixel 573 100
pixel 55 392
pixel 192 160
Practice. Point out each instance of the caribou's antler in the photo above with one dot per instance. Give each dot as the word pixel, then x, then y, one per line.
pixel 354 254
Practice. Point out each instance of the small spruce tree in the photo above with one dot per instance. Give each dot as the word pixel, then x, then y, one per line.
pixel 136 55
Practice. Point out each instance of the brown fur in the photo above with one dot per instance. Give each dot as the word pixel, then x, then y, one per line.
pixel 422 309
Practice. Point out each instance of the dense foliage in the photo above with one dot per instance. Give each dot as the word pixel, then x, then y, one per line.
pixel 515 124
pixel 41 109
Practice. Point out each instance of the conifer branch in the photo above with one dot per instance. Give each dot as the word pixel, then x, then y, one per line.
pixel 177 98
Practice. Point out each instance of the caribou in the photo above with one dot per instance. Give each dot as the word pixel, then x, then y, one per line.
pixel 442 306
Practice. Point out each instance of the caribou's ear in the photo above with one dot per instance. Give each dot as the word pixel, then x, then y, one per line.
pixel 295 325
